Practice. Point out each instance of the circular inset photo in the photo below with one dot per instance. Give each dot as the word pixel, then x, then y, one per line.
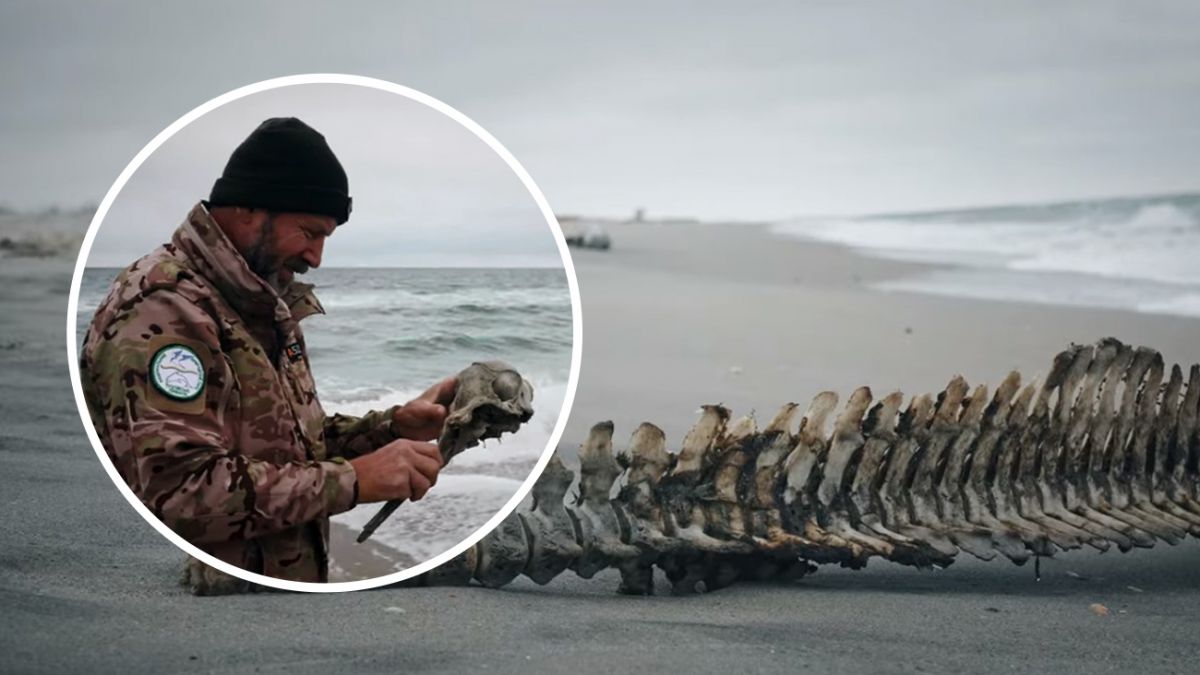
pixel 324 332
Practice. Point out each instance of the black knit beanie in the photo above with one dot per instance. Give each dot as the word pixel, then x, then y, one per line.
pixel 285 165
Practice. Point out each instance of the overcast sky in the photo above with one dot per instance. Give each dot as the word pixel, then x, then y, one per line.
pixel 427 192
pixel 721 110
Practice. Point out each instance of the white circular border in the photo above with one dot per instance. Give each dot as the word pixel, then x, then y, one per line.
pixel 551 222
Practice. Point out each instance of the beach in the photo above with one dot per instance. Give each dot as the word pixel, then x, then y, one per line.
pixel 678 316
pixel 675 316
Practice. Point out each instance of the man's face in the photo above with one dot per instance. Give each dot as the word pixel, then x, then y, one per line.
pixel 282 245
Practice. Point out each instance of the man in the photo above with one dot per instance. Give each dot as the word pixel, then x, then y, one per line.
pixel 198 382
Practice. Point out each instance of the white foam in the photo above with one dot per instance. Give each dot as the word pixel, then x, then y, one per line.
pixel 460 503
pixel 528 443
pixel 1101 254
pixel 1187 304
pixel 359 401
pixel 457 506
pixel 1051 288
pixel 1159 242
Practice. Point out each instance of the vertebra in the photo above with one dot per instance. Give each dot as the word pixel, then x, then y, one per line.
pixel 1102 454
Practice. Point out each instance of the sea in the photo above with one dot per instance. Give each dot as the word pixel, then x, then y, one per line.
pixel 1137 254
pixel 387 335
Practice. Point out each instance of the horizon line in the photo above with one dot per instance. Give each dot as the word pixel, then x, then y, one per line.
pixel 6 209
pixel 392 267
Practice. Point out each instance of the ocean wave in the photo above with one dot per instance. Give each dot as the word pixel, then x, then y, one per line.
pixel 1187 304
pixel 447 299
pixel 469 309
pixel 488 344
pixel 478 483
pixel 549 392
pixel 45 234
pixel 1156 241
pixel 455 508
pixel 479 315
pixel 40 244
pixel 1142 244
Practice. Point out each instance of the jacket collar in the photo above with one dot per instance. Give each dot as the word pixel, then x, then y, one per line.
pixel 214 256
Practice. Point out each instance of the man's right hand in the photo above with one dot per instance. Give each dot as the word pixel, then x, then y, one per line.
pixel 402 469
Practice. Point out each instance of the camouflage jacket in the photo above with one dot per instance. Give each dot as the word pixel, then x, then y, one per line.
pixel 198 384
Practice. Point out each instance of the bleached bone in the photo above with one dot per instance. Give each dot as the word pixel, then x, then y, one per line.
pixel 491 399
pixel 1103 451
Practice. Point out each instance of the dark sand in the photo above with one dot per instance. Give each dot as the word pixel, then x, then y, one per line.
pixel 674 317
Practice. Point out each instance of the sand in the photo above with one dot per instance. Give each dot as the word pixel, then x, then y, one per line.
pixel 674 317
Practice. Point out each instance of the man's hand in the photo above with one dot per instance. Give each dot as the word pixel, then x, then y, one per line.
pixel 402 469
pixel 422 418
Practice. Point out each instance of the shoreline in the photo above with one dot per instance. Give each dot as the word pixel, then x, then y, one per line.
pixel 666 319
pixel 753 320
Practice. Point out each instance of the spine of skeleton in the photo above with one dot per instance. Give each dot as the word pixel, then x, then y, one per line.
pixel 1102 453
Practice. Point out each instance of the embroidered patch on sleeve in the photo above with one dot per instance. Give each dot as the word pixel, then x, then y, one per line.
pixel 177 372
pixel 295 352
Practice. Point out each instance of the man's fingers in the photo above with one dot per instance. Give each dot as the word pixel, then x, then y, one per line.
pixel 427 466
pixel 418 485
pixel 421 412
pixel 429 451
pixel 403 482
pixel 419 420
pixel 442 392
pixel 447 388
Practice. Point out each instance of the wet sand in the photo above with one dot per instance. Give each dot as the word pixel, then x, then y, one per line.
pixel 367 560
pixel 673 317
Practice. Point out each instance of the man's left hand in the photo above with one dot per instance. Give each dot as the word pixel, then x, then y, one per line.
pixel 422 418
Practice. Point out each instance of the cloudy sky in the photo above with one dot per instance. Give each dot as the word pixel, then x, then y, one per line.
pixel 427 191
pixel 716 110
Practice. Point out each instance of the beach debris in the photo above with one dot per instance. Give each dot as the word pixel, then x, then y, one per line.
pixel 1102 453
pixel 1098 609
pixel 491 399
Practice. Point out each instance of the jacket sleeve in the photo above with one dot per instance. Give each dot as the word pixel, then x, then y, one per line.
pixel 178 454
pixel 349 436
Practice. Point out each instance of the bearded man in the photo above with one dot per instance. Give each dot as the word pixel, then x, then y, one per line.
pixel 197 376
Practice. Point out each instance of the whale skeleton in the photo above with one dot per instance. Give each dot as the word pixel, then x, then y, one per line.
pixel 1102 453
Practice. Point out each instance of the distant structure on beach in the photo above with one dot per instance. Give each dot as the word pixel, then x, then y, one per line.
pixel 592 232
pixel 639 218
pixel 48 233
pixel 585 233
